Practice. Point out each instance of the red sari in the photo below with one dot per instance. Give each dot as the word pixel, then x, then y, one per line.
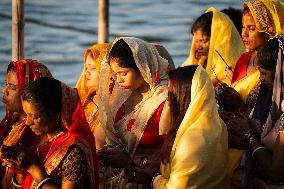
pixel 240 69
pixel 27 71
pixel 78 133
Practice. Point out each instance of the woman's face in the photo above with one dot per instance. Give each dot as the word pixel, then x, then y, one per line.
pixel 201 44
pixel 127 78
pixel 11 95
pixel 252 38
pixel 33 119
pixel 267 77
pixel 91 74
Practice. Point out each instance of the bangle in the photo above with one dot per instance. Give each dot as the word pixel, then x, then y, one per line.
pixel 256 149
pixel 15 184
pixel 42 182
pixel 153 179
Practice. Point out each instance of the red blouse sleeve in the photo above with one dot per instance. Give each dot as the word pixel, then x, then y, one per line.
pixel 240 69
pixel 151 133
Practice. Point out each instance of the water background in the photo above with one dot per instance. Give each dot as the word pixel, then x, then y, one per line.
pixel 57 32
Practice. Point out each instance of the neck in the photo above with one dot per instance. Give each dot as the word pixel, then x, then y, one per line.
pixel 21 115
pixel 143 90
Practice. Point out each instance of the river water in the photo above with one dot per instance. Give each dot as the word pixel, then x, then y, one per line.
pixel 58 32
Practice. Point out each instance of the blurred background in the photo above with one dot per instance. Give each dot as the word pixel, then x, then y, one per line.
pixel 57 32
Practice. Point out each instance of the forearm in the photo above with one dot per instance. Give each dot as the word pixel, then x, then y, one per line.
pixel 265 161
pixel 236 142
pixel 41 177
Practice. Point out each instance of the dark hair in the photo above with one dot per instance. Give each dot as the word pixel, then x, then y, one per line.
pixel 236 16
pixel 267 55
pixel 179 97
pixel 123 53
pixel 203 23
pixel 45 94
pixel 11 68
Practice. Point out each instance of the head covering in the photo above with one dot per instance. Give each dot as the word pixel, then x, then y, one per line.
pixel 268 15
pixel 27 70
pixel 277 96
pixel 226 46
pixel 165 54
pixel 78 132
pixel 98 51
pixel 200 140
pixel 153 68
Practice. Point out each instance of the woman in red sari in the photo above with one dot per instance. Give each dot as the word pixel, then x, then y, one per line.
pixel 65 156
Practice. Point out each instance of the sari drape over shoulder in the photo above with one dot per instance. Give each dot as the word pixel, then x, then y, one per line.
pixel 98 51
pixel 128 131
pixel 12 130
pixel 199 154
pixel 78 133
pixel 269 18
pixel 226 46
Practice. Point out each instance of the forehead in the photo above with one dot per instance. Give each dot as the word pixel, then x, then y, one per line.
pixel 115 66
pixel 12 78
pixel 247 18
pixel 29 108
pixel 90 59
pixel 200 34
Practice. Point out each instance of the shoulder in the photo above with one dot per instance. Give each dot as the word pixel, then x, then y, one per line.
pixel 74 164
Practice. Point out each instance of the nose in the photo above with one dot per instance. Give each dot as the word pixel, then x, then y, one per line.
pixel 4 91
pixel 28 120
pixel 119 79
pixel 244 32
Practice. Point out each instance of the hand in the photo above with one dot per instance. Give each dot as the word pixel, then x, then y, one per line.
pixel 139 175
pixel 114 157
pixel 228 74
pixel 228 98
pixel 17 156
pixel 237 124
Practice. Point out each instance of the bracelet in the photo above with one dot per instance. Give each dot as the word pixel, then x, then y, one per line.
pixel 256 149
pixel 42 182
pixel 153 179
pixel 15 184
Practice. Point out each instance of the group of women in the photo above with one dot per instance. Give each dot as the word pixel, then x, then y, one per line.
pixel 135 122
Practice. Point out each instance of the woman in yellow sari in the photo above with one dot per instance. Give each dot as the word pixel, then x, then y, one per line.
pixel 131 108
pixel 88 85
pixel 194 154
pixel 261 21
pixel 216 45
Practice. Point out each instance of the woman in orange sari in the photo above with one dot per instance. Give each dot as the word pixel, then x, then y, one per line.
pixel 88 86
pixel 65 152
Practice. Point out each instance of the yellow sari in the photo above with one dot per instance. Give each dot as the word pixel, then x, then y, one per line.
pixel 199 154
pixel 226 45
pixel 91 108
pixel 269 18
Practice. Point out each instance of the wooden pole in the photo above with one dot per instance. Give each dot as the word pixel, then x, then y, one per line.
pixel 103 29
pixel 18 29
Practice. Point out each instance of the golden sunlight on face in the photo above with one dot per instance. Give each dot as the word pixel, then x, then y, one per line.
pixel 252 38
pixel 201 44
pixel 91 74
pixel 127 78
pixel 33 119
pixel 11 95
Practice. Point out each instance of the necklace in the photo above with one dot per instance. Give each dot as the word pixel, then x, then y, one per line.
pixel 53 139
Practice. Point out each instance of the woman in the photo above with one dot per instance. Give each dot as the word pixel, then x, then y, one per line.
pixel 197 136
pixel 13 129
pixel 261 131
pixel 261 21
pixel 65 152
pixel 88 85
pixel 19 74
pixel 132 108
pixel 216 45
